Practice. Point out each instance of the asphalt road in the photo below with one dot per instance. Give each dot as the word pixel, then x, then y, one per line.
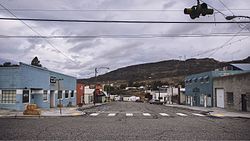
pixel 127 121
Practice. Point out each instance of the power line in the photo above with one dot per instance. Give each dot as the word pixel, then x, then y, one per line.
pixel 121 21
pixel 125 36
pixel 36 32
pixel 110 10
pixel 226 7
pixel 214 49
pixel 227 43
pixel 223 13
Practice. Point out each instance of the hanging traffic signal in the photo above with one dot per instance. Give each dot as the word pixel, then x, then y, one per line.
pixel 199 9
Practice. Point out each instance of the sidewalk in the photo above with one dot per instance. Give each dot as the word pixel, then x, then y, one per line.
pixel 52 112
pixel 214 111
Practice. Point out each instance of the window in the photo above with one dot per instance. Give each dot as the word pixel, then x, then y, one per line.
pixel 195 79
pixel 67 94
pixel 72 93
pixel 8 96
pixel 59 95
pixel 201 79
pixel 45 95
pixel 25 96
pixel 206 79
pixel 230 98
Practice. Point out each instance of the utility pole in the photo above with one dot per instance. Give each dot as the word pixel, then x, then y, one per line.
pixel 60 100
pixel 96 71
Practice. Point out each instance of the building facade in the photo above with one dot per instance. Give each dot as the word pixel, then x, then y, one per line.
pixel 26 84
pixel 199 87
pixel 232 92
pixel 80 94
pixel 88 95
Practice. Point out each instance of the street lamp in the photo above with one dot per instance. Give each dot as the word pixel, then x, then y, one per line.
pixel 232 17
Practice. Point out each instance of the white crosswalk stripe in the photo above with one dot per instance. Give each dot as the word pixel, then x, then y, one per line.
pixel 164 114
pixel 94 114
pixel 146 114
pixel 129 114
pixel 112 114
pixel 200 115
pixel 181 114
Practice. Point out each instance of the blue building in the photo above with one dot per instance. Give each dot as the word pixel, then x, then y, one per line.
pixel 24 84
pixel 199 87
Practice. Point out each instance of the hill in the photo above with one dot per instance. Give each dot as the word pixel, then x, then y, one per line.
pixel 170 71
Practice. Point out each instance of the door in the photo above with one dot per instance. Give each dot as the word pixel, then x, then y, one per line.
pixel 244 102
pixel 52 99
pixel 220 98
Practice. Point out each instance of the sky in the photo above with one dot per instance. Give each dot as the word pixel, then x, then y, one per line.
pixel 116 45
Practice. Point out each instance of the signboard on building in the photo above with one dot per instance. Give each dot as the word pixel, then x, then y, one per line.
pixel 52 79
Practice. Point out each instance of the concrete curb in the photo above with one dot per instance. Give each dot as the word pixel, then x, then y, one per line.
pixel 210 112
pixel 19 115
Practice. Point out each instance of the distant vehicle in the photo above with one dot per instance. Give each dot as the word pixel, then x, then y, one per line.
pixel 155 101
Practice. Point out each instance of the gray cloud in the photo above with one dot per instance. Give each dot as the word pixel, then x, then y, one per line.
pixel 81 55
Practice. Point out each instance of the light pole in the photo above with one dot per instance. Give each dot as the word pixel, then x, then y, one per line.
pixel 60 106
pixel 232 17
pixel 96 71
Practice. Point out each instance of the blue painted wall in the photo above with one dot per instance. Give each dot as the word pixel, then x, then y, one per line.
pixel 205 87
pixel 31 77
pixel 10 77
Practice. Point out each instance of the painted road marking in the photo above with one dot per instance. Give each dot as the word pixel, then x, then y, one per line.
pixel 181 114
pixel 129 114
pixel 94 114
pixel 164 114
pixel 146 114
pixel 111 114
pixel 218 115
pixel 200 115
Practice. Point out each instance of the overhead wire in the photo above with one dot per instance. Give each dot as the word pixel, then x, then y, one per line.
pixel 214 50
pixel 126 36
pixel 227 43
pixel 36 33
pixel 121 21
pixel 226 7
pixel 108 10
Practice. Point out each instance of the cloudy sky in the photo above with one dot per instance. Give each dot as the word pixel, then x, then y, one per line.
pixel 118 45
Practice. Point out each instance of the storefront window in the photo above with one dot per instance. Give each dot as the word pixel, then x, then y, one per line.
pixel 45 95
pixel 67 94
pixel 8 96
pixel 59 95
pixel 72 93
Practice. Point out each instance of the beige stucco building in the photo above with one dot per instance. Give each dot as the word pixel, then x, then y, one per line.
pixel 232 92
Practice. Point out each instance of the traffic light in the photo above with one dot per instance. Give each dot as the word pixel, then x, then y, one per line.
pixel 199 9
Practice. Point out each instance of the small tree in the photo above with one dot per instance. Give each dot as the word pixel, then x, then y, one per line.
pixel 36 62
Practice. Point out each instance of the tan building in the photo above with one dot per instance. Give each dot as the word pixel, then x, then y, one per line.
pixel 232 92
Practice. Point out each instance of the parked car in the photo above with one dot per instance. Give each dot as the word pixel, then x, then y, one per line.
pixel 155 101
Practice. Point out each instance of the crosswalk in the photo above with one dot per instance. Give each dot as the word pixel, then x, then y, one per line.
pixel 130 114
